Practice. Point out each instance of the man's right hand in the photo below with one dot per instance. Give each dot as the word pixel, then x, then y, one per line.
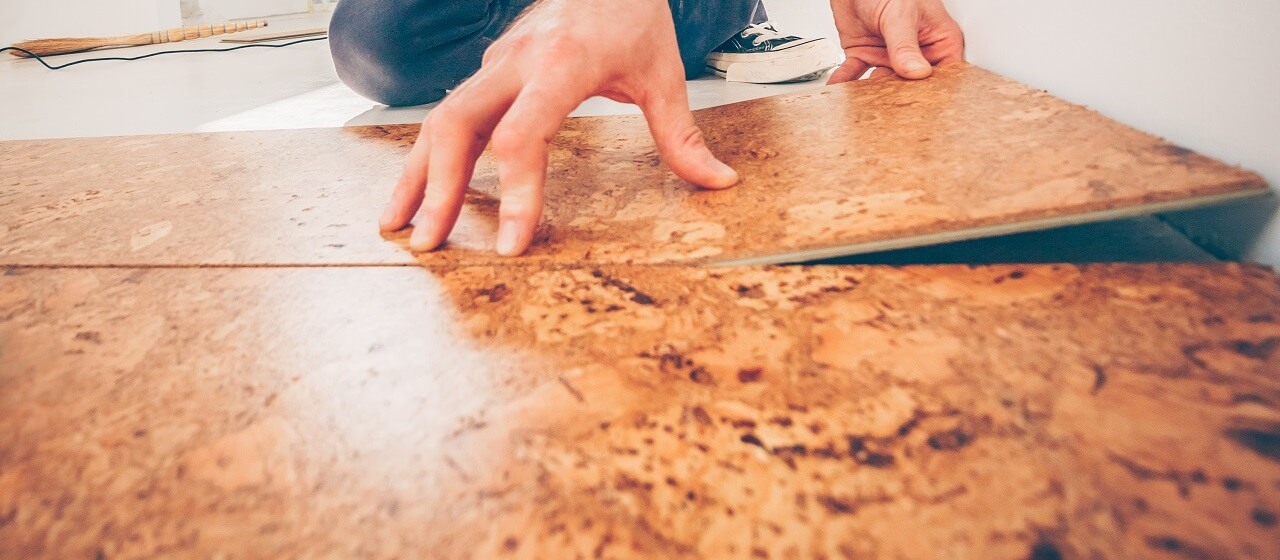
pixel 555 57
pixel 907 37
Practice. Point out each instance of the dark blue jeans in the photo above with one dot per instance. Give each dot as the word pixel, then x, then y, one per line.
pixel 409 52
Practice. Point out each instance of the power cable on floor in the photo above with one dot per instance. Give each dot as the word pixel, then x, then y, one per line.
pixel 42 61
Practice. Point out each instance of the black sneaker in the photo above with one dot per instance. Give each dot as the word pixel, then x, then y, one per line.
pixel 762 55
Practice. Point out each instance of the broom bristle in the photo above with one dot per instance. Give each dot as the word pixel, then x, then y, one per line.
pixel 45 47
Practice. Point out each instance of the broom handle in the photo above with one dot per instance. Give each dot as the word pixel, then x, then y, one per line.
pixel 44 47
pixel 197 31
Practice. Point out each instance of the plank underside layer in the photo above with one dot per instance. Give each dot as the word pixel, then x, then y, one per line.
pixel 848 169
pixel 1110 411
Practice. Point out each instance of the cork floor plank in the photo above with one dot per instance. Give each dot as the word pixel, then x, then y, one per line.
pixel 1110 411
pixel 868 166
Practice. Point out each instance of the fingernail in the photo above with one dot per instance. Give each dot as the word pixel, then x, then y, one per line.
pixel 728 177
pixel 914 64
pixel 387 216
pixel 418 241
pixel 507 234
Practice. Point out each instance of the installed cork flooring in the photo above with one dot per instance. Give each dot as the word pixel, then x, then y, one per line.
pixel 168 392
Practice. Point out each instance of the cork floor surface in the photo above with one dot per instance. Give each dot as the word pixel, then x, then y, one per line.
pixel 872 165
pixel 575 405
pixel 1111 411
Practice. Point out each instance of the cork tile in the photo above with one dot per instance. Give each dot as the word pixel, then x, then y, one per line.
pixel 278 197
pixel 995 412
pixel 867 166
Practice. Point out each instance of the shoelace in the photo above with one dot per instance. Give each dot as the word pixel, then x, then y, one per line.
pixel 761 32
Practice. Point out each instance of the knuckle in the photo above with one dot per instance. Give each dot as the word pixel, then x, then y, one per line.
pixel 514 42
pixel 504 45
pixel 450 122
pixel 906 50
pixel 519 204
pixel 689 137
pixel 565 47
pixel 435 204
pixel 508 141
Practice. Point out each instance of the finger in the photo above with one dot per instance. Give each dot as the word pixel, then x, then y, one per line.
pixel 520 145
pixel 901 32
pixel 852 69
pixel 880 72
pixel 945 51
pixel 680 141
pixel 407 196
pixel 870 55
pixel 460 128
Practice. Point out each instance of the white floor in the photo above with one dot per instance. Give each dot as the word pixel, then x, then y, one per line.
pixel 251 89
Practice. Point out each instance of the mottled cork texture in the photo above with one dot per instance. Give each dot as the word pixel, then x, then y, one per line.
pixel 840 170
pixel 654 412
pixel 207 351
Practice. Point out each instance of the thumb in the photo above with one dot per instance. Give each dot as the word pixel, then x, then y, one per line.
pixel 680 141
pixel 901 33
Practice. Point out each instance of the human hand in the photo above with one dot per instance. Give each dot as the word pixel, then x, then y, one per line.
pixel 906 36
pixel 561 53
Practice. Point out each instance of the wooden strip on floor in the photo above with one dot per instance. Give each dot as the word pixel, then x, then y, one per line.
pixel 276 36
pixel 993 412
pixel 867 166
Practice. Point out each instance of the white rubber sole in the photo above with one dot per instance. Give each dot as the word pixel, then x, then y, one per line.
pixel 799 63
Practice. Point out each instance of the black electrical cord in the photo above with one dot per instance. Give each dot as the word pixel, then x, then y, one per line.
pixel 140 57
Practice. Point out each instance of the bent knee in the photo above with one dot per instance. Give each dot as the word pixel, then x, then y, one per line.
pixel 384 81
pixel 378 54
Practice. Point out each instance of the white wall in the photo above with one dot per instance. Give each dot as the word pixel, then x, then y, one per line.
pixel 806 18
pixel 1202 73
pixel 217 11
pixel 36 19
